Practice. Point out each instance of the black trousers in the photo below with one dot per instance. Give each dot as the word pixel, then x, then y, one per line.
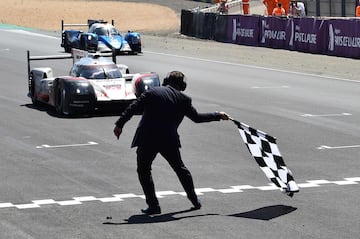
pixel 145 157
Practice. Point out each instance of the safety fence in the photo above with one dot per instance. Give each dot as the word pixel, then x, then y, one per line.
pixel 336 37
pixel 234 6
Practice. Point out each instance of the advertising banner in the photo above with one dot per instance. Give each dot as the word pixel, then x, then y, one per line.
pixel 336 37
pixel 275 32
pixel 243 30
pixel 344 38
pixel 309 35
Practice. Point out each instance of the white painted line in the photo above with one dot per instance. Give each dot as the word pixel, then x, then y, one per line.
pixel 66 145
pixel 243 187
pixel 85 199
pixel 27 206
pixel 44 201
pixel 200 191
pixel 68 202
pixel 319 181
pixel 355 179
pixel 253 67
pixel 161 194
pixel 232 189
pixel 308 185
pixel 110 199
pixel 6 204
pixel 344 182
pixel 236 189
pixel 270 187
pixel 338 147
pixel 270 87
pixel 326 115
pixel 23 32
pixel 126 195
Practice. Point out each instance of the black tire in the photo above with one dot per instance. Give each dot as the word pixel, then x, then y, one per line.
pixel 32 91
pixel 67 48
pixel 60 96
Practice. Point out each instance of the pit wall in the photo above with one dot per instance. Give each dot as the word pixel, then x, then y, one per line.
pixel 335 37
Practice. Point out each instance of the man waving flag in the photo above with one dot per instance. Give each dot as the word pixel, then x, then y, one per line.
pixel 266 153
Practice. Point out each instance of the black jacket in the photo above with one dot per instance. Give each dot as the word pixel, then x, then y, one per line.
pixel 163 109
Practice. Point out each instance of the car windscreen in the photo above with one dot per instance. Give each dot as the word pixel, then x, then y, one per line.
pixel 106 31
pixel 100 72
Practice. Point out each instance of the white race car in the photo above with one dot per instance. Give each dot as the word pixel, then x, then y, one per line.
pixel 93 82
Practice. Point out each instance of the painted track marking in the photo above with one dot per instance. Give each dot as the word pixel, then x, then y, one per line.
pixel 199 191
pixel 326 115
pixel 338 147
pixel 65 145
pixel 271 87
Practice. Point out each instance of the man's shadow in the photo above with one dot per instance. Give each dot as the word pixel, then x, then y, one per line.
pixel 266 213
pixel 168 217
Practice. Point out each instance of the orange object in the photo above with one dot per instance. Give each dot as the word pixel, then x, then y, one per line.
pixel 357 11
pixel 286 5
pixel 246 7
pixel 278 11
pixel 270 5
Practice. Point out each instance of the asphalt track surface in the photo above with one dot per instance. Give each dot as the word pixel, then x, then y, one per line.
pixel 70 178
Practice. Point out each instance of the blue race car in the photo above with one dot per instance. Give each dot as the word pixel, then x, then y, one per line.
pixel 101 36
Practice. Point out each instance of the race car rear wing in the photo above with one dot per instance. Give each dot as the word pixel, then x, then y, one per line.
pixel 39 58
pixel 88 24
pixel 76 55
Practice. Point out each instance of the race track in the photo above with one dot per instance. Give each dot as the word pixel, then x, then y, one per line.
pixel 70 178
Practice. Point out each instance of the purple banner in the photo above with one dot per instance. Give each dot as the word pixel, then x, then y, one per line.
pixel 243 30
pixel 344 38
pixel 336 37
pixel 275 32
pixel 309 35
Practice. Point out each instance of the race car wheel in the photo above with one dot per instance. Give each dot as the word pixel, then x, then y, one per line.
pixel 32 91
pixel 60 100
pixel 67 48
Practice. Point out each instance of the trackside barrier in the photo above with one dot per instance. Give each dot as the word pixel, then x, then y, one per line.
pixel 335 37
pixel 200 25
pixel 231 5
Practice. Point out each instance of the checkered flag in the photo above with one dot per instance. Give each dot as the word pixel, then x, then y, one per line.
pixel 266 153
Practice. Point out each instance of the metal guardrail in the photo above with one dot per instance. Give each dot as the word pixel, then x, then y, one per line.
pixel 231 5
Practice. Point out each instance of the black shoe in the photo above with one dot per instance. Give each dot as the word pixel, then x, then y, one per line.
pixel 151 210
pixel 196 206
